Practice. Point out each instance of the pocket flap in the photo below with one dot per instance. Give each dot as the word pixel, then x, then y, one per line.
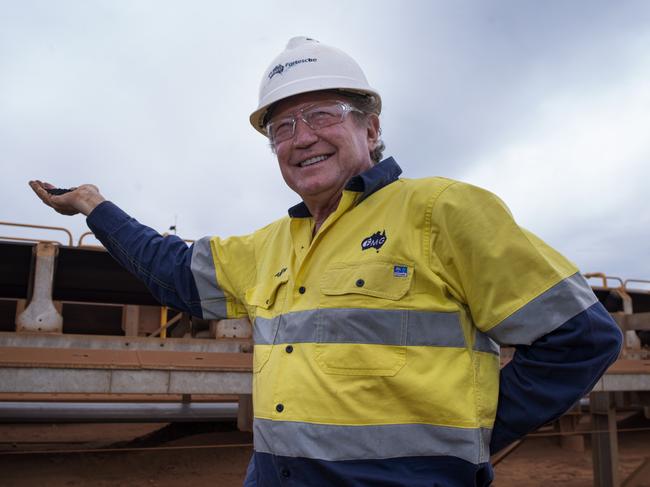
pixel 264 293
pixel 380 279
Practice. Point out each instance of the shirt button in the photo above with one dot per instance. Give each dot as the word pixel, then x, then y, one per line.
pixel 301 289
pixel 360 282
pixel 289 348
pixel 285 472
pixel 279 408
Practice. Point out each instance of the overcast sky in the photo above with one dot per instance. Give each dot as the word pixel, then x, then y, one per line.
pixel 545 103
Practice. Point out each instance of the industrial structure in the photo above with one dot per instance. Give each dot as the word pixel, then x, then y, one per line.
pixel 81 339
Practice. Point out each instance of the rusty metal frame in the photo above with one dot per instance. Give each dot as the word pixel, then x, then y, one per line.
pixel 644 281
pixel 605 278
pixel 44 227
pixel 162 331
pixel 91 246
pixel 632 345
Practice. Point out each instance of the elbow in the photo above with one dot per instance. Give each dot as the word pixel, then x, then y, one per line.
pixel 612 336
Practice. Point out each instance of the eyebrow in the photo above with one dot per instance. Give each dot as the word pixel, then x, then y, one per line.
pixel 293 113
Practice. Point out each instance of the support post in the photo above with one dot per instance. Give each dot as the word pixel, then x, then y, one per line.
pixel 604 441
pixel 41 315
pixel 570 439
pixel 245 413
pixel 130 320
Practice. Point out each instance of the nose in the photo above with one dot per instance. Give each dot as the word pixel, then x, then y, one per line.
pixel 305 135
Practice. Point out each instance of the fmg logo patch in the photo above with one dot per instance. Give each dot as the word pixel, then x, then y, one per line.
pixel 375 241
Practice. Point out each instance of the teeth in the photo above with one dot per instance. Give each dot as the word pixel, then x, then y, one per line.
pixel 312 160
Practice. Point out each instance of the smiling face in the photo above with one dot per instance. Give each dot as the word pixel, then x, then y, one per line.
pixel 317 164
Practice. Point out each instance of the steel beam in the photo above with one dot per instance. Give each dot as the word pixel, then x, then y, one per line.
pixel 79 412
pixel 34 370
pixel 110 381
pixel 625 375
pixel 99 342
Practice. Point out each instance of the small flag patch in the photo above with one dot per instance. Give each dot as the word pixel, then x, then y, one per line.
pixel 400 271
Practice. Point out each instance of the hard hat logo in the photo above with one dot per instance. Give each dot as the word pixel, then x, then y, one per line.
pixel 279 69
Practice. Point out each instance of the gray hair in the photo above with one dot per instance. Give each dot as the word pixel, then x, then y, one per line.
pixel 367 104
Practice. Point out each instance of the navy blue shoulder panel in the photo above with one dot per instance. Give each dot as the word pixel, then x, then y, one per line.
pixel 549 376
pixel 162 263
pixel 375 178
pixel 267 470
pixel 368 182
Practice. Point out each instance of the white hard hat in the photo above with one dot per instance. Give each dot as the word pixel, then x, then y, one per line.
pixel 307 65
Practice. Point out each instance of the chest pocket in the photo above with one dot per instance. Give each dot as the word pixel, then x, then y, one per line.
pixel 263 298
pixel 362 328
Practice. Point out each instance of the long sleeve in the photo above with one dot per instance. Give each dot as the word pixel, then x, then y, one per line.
pixel 522 293
pixel 168 267
pixel 546 378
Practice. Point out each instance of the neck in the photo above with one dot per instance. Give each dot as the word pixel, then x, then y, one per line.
pixel 320 210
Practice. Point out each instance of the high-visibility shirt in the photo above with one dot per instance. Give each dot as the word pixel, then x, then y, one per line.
pixel 378 338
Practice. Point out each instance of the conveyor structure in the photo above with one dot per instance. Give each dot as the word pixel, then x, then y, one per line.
pixel 77 329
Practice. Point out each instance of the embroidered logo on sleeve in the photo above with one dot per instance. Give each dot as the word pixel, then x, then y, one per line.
pixel 375 241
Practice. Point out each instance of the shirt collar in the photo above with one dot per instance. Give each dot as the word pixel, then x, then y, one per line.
pixel 366 183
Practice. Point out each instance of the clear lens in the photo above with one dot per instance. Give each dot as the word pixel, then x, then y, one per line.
pixel 324 115
pixel 315 116
pixel 281 130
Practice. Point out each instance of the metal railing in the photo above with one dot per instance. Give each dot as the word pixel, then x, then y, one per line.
pixel 42 227
pixel 60 229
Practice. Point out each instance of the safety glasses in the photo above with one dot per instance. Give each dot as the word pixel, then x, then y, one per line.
pixel 316 117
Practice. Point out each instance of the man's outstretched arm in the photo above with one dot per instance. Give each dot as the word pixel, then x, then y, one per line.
pixel 177 275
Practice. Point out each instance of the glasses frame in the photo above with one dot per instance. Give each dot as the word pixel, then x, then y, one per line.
pixel 347 108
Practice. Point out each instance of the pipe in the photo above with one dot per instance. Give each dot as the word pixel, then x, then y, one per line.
pixel 107 412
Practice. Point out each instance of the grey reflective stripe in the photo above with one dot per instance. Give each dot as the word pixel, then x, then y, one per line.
pixel 434 329
pixel 298 327
pixel 545 313
pixel 484 343
pixel 336 443
pixel 354 325
pixel 213 301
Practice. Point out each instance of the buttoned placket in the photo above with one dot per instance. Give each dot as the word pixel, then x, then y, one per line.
pixel 303 246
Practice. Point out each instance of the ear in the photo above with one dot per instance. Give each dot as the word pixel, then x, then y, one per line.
pixel 373 130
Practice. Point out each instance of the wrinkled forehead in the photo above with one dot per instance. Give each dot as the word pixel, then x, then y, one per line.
pixel 291 105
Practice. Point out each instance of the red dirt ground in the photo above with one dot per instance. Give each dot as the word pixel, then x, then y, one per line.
pixel 539 461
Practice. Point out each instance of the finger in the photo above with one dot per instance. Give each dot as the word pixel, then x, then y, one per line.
pixel 36 187
pixel 44 184
pixel 44 196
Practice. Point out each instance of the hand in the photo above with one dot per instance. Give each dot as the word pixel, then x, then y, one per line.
pixel 82 199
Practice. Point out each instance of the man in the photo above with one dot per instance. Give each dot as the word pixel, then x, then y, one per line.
pixel 378 305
